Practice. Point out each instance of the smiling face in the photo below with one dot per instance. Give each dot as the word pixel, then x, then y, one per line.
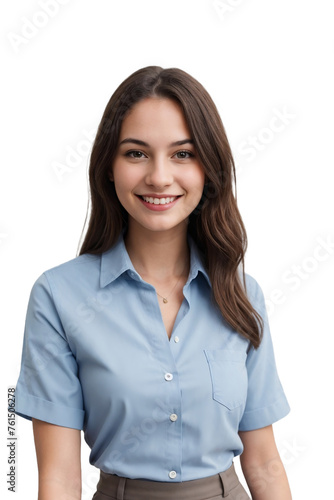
pixel 158 177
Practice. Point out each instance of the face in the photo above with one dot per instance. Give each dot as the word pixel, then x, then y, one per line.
pixel 158 177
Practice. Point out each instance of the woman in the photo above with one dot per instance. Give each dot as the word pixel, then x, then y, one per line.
pixel 153 340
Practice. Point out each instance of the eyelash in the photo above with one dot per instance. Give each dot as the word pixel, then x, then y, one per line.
pixel 191 155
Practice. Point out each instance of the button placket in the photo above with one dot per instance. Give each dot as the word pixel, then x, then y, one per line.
pixel 174 430
pixel 169 400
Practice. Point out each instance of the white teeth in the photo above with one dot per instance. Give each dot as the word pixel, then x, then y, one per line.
pixel 158 201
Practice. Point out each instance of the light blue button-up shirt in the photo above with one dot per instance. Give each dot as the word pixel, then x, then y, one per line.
pixel 96 356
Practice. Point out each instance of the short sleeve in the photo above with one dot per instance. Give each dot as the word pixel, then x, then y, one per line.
pixel 48 387
pixel 266 401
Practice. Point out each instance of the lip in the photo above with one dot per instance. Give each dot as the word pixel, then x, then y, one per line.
pixel 158 208
pixel 153 195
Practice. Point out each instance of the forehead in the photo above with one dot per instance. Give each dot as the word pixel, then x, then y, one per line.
pixel 155 117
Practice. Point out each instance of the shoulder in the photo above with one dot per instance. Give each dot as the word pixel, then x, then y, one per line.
pixel 75 265
pixel 254 292
pixel 252 286
pixel 80 270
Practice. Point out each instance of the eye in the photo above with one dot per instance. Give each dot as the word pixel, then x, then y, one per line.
pixel 182 155
pixel 135 154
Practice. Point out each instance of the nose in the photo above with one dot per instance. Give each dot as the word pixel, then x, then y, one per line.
pixel 159 173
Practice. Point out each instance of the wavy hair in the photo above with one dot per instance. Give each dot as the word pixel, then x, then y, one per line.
pixel 216 224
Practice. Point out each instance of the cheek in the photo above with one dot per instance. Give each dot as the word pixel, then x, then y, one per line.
pixel 196 180
pixel 124 178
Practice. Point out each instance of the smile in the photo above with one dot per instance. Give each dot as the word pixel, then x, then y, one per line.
pixel 158 201
pixel 160 204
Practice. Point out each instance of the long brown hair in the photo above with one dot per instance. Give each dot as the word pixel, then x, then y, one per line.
pixel 216 223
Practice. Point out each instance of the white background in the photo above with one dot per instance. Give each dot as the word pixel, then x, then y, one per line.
pixel 257 59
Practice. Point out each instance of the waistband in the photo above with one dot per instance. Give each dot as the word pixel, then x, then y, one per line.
pixel 123 488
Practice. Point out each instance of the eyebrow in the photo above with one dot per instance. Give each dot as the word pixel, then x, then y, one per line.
pixel 142 143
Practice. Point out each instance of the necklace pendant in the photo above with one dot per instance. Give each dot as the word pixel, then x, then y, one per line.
pixel 164 300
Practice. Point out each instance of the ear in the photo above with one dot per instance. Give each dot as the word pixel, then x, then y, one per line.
pixel 111 177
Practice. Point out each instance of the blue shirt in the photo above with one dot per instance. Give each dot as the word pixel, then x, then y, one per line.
pixel 96 356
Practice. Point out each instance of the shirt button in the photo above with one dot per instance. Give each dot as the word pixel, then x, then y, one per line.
pixel 176 339
pixel 172 474
pixel 173 417
pixel 168 376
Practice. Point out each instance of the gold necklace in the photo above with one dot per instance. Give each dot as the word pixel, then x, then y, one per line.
pixel 165 299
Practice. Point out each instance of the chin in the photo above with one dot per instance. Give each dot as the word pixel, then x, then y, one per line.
pixel 159 226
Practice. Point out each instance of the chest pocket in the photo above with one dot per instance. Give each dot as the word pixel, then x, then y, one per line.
pixel 228 376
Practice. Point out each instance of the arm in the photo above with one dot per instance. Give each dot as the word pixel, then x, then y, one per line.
pixel 58 459
pixel 262 466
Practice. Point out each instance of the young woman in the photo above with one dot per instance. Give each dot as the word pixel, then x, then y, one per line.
pixel 154 341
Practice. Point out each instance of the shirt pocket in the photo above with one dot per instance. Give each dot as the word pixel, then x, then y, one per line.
pixel 228 376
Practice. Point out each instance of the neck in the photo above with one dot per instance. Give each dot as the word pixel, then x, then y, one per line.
pixel 158 254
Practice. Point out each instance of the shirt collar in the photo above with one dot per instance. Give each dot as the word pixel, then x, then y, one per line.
pixel 196 262
pixel 116 261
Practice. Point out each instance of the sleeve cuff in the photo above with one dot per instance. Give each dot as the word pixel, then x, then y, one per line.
pixel 255 419
pixel 28 406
